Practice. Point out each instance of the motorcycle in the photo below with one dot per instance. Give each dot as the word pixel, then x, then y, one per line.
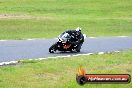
pixel 63 44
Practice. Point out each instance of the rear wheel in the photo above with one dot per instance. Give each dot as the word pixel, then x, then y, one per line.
pixel 53 48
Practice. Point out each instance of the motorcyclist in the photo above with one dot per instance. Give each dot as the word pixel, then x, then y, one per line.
pixel 76 38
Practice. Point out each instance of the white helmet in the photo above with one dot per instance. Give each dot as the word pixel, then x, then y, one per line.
pixel 78 29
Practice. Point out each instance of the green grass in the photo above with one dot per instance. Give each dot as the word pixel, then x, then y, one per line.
pixel 61 72
pixel 48 18
pixel 20 19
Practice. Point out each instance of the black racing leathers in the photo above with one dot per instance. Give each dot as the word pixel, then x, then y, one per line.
pixel 76 37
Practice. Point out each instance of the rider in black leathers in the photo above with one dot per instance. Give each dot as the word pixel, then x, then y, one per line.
pixel 76 38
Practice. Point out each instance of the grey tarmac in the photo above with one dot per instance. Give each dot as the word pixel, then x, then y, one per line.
pixel 13 50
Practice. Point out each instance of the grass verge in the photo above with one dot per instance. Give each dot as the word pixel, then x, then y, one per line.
pixel 61 73
pixel 48 18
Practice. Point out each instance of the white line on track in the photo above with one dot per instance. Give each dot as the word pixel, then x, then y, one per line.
pixel 100 53
pixel 15 62
pixel 122 36
pixel 8 63
pixel 30 39
pixel 57 38
pixel 116 51
pixel 3 40
pixel 42 58
pixel 91 37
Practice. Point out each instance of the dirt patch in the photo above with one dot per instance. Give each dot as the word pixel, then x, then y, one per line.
pixel 13 16
pixel 6 16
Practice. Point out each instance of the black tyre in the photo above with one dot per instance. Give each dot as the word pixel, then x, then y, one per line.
pixel 77 50
pixel 53 48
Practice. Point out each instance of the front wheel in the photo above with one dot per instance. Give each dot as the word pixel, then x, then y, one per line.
pixel 77 50
pixel 79 47
pixel 53 48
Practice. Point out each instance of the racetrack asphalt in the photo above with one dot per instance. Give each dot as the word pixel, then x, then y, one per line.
pixel 11 50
